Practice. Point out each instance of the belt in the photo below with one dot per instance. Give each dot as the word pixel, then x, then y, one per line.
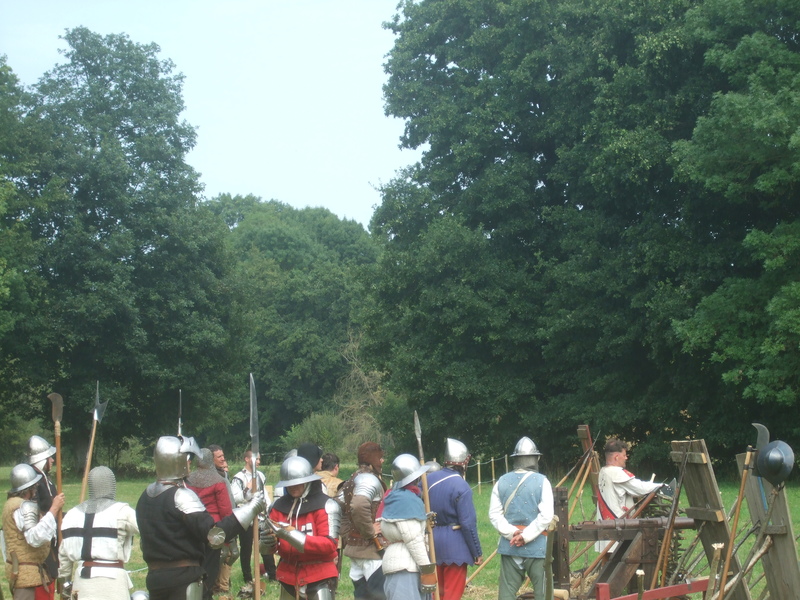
pixel 109 564
pixel 521 527
pixel 173 564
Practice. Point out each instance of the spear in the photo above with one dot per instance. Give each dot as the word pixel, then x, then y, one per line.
pixel 58 413
pixel 254 482
pixel 180 411
pixel 426 498
pixel 99 411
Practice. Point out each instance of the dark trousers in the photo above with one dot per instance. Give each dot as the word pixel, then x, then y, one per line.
pixel 246 554
pixel 370 589
pixel 211 566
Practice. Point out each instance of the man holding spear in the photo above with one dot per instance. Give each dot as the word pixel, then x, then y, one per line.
pixel 175 526
pixel 40 457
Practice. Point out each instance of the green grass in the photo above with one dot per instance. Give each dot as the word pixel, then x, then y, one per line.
pixel 483 587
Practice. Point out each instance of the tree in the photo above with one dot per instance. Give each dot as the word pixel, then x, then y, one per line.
pixel 137 292
pixel 553 165
pixel 298 267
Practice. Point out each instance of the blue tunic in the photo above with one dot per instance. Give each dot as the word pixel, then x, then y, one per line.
pixel 523 510
pixel 451 500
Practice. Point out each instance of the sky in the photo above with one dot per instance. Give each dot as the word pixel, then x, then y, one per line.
pixel 286 95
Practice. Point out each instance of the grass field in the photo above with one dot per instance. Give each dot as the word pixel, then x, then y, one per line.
pixel 483 587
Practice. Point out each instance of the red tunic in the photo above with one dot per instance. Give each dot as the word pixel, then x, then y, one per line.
pixel 318 560
pixel 216 500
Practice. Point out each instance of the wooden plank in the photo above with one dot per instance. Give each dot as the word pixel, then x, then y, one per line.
pixel 705 514
pixel 780 564
pixel 585 436
pixel 674 591
pixel 700 485
pixel 693 457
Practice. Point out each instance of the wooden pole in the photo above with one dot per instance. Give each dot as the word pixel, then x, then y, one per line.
pixel 256 555
pixel 88 462
pixel 729 550
pixel 480 566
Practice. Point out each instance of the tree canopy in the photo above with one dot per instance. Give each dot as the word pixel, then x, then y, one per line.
pixel 602 224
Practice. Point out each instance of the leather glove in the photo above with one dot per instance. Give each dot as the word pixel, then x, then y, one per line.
pixel 267 542
pixel 427 578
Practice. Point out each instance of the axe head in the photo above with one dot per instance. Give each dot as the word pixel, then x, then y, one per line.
pixel 58 406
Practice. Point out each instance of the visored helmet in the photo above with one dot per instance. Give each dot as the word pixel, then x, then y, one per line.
pixel 39 450
pixel 22 477
pixel 171 456
pixel 526 447
pixel 296 470
pixel 455 452
pixel 405 469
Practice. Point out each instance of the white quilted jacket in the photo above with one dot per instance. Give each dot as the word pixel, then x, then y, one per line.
pixel 407 548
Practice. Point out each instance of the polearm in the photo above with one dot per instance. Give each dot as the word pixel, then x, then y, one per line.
pixel 254 483
pixel 99 411
pixel 180 411
pixel 426 498
pixel 58 413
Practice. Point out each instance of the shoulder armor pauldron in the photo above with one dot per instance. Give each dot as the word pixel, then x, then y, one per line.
pixel 30 514
pixel 367 484
pixel 187 501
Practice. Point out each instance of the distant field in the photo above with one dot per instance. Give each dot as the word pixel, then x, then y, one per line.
pixel 484 587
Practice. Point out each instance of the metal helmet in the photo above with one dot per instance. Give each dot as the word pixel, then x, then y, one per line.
pixel 22 477
pixel 405 469
pixel 171 456
pixel 296 470
pixel 433 466
pixel 775 462
pixel 455 452
pixel 39 450
pixel 526 447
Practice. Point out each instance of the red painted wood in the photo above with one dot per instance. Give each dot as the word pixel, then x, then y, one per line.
pixel 602 591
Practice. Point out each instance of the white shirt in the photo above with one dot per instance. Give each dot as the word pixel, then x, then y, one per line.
pixel 536 527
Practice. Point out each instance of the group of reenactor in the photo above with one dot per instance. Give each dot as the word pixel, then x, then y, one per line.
pixel 189 521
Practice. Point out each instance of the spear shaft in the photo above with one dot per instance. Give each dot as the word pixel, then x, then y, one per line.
pixel 426 498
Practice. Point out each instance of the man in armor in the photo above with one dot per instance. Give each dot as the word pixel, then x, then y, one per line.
pixel 456 531
pixel 304 532
pixel 27 536
pixel 521 508
pixel 175 526
pixel 213 492
pixel 409 572
pixel 41 456
pixel 362 542
pixel 97 536
pixel 242 487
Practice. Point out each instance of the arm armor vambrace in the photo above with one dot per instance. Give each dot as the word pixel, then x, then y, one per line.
pixel 334 517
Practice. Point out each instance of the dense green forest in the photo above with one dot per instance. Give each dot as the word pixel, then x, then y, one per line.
pixel 604 228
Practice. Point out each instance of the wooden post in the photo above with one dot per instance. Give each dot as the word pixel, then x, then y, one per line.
pixel 479 477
